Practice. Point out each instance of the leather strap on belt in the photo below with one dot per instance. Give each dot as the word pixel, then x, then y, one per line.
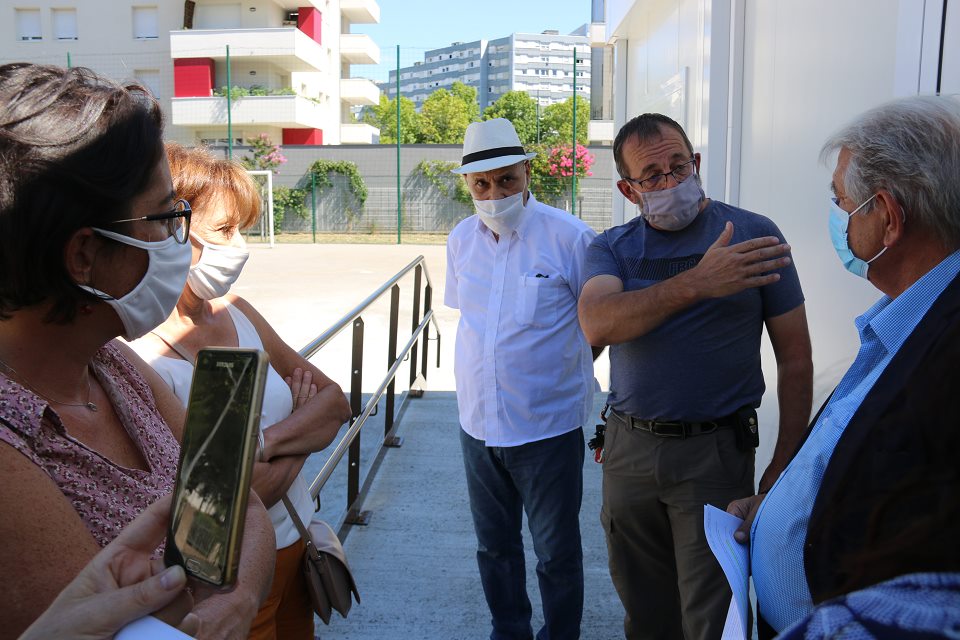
pixel 677 428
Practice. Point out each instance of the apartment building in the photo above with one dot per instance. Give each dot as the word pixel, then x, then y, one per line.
pixel 290 61
pixel 541 64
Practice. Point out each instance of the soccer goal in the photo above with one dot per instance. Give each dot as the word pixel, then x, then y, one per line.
pixel 264 180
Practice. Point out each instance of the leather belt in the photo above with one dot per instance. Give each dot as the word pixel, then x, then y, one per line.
pixel 677 428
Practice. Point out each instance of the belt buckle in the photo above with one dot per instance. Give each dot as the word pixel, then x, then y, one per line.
pixel 655 429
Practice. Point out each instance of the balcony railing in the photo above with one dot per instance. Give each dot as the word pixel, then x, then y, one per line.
pixel 359 91
pixel 279 111
pixel 287 47
pixel 359 48
pixel 360 11
pixel 359 133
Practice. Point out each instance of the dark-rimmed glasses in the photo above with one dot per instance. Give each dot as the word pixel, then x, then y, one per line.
pixel 679 174
pixel 176 221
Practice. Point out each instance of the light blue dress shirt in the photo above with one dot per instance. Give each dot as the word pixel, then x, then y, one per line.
pixel 780 528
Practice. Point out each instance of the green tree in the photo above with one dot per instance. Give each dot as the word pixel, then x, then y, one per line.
pixel 556 122
pixel 445 115
pixel 468 95
pixel 520 109
pixel 384 117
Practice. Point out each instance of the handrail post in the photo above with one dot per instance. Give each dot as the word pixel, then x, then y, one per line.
pixel 417 274
pixel 388 417
pixel 427 302
pixel 355 516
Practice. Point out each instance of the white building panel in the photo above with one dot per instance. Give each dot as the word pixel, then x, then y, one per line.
pixel 359 48
pixel 278 111
pixel 287 47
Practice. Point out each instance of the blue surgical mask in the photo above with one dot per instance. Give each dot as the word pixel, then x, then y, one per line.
pixel 839 219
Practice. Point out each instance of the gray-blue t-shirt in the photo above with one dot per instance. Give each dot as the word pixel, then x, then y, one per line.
pixel 702 362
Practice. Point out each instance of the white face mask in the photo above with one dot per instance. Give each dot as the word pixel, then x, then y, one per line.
pixel 501 216
pixel 219 267
pixel 150 302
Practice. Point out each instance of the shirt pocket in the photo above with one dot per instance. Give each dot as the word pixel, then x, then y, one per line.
pixel 539 300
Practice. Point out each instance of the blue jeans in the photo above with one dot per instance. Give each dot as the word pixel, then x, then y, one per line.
pixel 545 478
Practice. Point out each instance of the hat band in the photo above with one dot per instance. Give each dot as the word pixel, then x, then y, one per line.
pixel 492 153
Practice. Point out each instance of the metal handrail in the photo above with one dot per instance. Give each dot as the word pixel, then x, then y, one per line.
pixel 327 470
pixel 318 343
pixel 420 332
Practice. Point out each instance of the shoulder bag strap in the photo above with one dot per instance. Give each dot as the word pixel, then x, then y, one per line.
pixel 296 520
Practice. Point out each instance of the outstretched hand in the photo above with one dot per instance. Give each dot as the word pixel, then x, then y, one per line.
pixel 726 269
pixel 121 584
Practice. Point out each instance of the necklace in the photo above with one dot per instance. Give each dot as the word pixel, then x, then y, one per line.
pixel 88 404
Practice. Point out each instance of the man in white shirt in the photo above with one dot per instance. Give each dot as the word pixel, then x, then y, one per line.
pixel 524 378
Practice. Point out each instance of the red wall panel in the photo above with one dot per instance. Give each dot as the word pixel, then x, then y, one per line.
pixel 309 21
pixel 193 77
pixel 302 136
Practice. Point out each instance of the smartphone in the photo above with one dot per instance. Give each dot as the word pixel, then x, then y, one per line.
pixel 216 464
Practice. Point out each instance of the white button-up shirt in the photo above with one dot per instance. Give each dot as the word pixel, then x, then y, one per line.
pixel 523 368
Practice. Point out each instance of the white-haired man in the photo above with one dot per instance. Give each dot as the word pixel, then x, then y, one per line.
pixel 524 380
pixel 848 511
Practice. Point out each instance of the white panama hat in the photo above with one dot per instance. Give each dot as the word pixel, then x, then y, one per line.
pixel 491 144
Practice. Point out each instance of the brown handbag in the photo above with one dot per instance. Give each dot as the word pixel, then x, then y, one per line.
pixel 325 567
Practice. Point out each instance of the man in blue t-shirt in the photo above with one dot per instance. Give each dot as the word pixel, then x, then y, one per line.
pixel 682 293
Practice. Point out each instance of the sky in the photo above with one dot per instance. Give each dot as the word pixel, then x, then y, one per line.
pixel 419 25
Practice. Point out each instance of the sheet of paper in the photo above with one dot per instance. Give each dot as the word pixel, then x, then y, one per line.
pixel 149 628
pixel 734 559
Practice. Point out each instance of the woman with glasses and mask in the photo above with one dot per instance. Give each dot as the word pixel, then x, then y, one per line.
pixel 302 408
pixel 93 245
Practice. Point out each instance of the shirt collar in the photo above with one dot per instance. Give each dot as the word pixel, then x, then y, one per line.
pixel 21 408
pixel 527 214
pixel 893 319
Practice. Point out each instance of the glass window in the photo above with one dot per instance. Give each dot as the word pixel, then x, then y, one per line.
pixel 145 23
pixel 28 24
pixel 64 24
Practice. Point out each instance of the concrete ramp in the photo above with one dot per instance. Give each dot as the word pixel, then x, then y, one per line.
pixel 415 562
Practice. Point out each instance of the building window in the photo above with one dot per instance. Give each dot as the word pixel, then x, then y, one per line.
pixel 64 24
pixel 150 78
pixel 28 24
pixel 145 23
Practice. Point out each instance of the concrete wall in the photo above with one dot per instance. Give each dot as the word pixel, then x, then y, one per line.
pixel 426 209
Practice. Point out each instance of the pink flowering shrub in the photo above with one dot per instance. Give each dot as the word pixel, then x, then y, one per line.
pixel 562 165
pixel 554 167
pixel 266 155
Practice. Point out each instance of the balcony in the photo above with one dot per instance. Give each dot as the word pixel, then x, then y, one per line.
pixel 293 5
pixel 359 48
pixel 359 134
pixel 278 111
pixel 359 91
pixel 597 34
pixel 360 11
pixel 287 47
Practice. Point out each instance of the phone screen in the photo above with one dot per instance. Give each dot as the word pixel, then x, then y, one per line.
pixel 216 459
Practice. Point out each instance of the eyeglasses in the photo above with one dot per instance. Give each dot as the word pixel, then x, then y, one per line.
pixel 176 221
pixel 679 174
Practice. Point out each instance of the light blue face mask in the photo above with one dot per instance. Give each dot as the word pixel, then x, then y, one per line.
pixel 839 219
